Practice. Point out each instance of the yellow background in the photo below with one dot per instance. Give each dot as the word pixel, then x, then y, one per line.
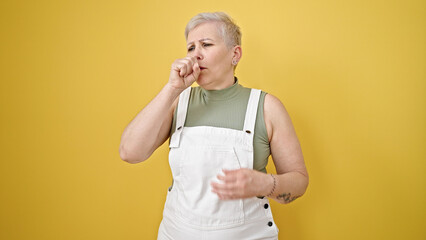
pixel 74 73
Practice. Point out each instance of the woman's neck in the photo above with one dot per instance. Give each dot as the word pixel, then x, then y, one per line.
pixel 228 81
pixel 222 94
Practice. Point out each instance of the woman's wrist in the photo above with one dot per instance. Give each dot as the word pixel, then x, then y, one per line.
pixel 272 185
pixel 268 185
pixel 173 91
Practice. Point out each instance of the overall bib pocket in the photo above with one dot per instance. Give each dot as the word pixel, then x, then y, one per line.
pixel 198 204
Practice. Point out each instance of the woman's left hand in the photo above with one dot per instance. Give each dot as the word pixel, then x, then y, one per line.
pixel 242 183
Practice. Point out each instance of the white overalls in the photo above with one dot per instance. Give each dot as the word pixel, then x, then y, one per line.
pixel 197 155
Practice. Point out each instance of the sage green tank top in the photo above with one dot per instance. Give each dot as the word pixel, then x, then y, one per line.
pixel 226 108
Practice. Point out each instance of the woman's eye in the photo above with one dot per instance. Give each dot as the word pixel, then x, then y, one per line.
pixel 204 45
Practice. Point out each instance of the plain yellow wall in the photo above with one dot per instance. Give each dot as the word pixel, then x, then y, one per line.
pixel 74 73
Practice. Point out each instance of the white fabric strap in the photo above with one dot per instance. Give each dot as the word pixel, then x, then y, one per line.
pixel 250 119
pixel 180 117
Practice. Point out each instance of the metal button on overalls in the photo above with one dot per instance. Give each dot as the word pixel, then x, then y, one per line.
pixel 197 155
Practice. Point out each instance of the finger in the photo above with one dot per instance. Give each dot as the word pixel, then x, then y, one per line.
pixel 182 70
pixel 226 194
pixel 232 174
pixel 230 171
pixel 193 76
pixel 215 186
pixel 176 67
pixel 189 63
pixel 221 177
pixel 194 59
pixel 222 195
pixel 196 71
pixel 222 187
pixel 226 178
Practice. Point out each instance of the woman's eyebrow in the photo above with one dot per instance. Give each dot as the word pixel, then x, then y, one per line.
pixel 203 39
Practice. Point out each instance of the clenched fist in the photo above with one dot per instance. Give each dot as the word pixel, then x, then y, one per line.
pixel 184 72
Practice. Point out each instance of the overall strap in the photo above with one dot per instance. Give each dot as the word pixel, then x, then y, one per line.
pixel 180 117
pixel 250 119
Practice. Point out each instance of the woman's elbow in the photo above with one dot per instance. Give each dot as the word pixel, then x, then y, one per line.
pixel 131 156
pixel 300 189
pixel 304 182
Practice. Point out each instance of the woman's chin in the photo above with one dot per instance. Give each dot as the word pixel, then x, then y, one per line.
pixel 201 81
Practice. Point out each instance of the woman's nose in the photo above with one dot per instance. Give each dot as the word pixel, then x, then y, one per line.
pixel 197 53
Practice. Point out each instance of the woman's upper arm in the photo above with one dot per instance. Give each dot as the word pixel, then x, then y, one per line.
pixel 285 147
pixel 166 126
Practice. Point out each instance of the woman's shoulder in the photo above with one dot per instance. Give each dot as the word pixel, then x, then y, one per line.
pixel 273 102
pixel 275 114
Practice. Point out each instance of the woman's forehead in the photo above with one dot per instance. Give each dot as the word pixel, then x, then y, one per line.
pixel 204 31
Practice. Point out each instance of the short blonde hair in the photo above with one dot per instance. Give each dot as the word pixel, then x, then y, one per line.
pixel 229 31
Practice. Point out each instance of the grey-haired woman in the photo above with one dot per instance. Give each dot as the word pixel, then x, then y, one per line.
pixel 221 135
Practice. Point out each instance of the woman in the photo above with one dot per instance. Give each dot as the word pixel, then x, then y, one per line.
pixel 221 135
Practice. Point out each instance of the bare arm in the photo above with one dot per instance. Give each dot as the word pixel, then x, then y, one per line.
pixel 291 180
pixel 292 177
pixel 151 127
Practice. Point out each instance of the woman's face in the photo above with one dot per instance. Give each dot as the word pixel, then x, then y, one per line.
pixel 214 58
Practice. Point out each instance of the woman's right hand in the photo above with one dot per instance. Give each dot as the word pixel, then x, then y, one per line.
pixel 184 72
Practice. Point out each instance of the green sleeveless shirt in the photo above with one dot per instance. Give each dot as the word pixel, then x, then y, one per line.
pixel 226 108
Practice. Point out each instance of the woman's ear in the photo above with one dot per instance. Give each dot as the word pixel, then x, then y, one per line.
pixel 237 54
